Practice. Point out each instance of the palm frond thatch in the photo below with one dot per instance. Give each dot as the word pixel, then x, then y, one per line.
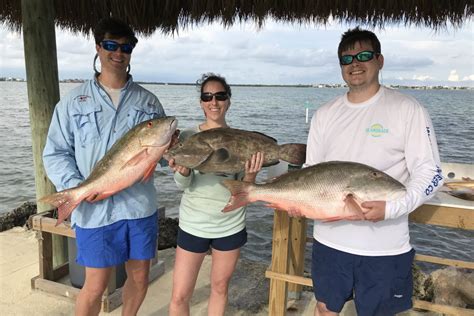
pixel 168 16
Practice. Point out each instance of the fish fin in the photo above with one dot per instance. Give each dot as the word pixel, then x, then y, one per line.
pixel 262 134
pixel 239 194
pixel 135 159
pixel 65 203
pixel 293 153
pixel 332 219
pixel 464 193
pixel 353 208
pixel 149 172
pixel 271 163
pixel 273 206
pixel 92 198
pixel 464 184
pixel 221 155
pixel 98 196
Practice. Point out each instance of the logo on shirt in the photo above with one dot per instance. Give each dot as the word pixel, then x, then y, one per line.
pixel 376 130
pixel 82 98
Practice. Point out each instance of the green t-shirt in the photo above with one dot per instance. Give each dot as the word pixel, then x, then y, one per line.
pixel 204 197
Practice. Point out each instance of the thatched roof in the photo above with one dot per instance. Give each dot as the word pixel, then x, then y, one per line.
pixel 148 16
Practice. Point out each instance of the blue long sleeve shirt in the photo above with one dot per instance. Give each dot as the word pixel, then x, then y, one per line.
pixel 84 126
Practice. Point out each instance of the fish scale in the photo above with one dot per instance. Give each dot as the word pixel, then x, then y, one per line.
pixel 131 159
pixel 327 191
pixel 225 150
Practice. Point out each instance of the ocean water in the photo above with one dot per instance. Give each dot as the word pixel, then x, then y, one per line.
pixel 275 111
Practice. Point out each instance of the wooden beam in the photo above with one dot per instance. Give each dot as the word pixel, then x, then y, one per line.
pixel 110 299
pixel 444 216
pixel 447 262
pixel 61 271
pixel 39 41
pixel 55 288
pixel 297 250
pixel 47 224
pixel 278 294
pixel 442 309
pixel 289 278
pixel 45 246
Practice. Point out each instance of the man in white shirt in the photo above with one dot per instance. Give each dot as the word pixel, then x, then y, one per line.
pixel 370 260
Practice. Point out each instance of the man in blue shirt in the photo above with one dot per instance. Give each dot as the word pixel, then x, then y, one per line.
pixel 86 123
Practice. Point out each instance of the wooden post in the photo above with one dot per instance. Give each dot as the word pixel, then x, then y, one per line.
pixel 297 250
pixel 39 42
pixel 279 289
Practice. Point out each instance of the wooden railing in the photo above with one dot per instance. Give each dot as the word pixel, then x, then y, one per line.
pixel 289 240
pixel 54 280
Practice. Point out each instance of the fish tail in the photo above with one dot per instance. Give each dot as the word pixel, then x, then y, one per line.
pixel 239 191
pixel 293 153
pixel 64 201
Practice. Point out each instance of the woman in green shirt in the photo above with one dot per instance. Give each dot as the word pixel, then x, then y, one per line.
pixel 202 224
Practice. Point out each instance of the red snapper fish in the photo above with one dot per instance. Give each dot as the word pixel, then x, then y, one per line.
pixel 132 158
pixel 327 191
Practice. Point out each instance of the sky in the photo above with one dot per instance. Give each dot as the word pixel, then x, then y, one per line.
pixel 278 53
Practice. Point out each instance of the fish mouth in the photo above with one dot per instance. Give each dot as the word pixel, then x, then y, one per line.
pixel 173 124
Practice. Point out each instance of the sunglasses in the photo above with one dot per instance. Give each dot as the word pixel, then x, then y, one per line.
pixel 362 56
pixel 220 96
pixel 112 46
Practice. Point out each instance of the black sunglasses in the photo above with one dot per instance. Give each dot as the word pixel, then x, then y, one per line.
pixel 112 46
pixel 361 56
pixel 220 96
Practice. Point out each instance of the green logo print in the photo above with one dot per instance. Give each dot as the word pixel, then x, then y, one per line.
pixel 376 130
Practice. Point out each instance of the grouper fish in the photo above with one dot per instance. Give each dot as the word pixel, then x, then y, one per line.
pixel 225 150
pixel 132 158
pixel 326 191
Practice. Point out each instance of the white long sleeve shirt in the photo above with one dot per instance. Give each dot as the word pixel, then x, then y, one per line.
pixel 393 133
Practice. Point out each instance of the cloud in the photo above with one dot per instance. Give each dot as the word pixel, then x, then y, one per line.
pixel 453 76
pixel 468 78
pixel 278 53
pixel 422 77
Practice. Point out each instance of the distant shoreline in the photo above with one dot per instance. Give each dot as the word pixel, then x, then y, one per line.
pixel 316 86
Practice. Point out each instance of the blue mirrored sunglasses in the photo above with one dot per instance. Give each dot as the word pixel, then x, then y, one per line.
pixel 361 56
pixel 112 46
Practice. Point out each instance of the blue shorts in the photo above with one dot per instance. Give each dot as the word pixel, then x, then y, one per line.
pixel 199 245
pixel 115 244
pixel 381 285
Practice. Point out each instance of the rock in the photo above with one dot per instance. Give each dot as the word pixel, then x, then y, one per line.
pixel 454 287
pixel 18 216
pixel 168 232
pixel 248 290
pixel 422 284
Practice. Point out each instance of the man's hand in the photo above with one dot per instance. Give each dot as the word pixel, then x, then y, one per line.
pixel 374 211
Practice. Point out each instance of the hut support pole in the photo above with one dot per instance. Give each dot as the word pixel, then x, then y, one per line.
pixel 39 42
pixel 279 289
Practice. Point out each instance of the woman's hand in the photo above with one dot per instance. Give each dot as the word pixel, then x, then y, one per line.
pixel 177 168
pixel 253 166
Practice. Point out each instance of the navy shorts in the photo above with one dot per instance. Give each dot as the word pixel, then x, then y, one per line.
pixel 116 243
pixel 199 245
pixel 379 285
